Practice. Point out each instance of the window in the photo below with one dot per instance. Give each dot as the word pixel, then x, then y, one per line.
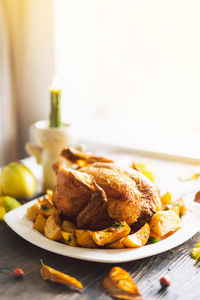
pixel 130 71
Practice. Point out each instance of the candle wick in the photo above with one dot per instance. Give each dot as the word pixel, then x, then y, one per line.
pixel 56 83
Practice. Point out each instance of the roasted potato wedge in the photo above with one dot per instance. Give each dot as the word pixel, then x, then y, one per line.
pixel 50 194
pixel 40 223
pixel 178 206
pixel 68 226
pixel 181 205
pixel 138 238
pixel 52 229
pixel 47 207
pixel 117 245
pixel 166 199
pixel 33 212
pixel 119 284
pixel 84 238
pixel 175 209
pixel 164 222
pixel 69 238
pixel 111 234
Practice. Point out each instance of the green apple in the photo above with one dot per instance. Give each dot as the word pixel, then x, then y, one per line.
pixel 7 203
pixel 10 203
pixel 17 180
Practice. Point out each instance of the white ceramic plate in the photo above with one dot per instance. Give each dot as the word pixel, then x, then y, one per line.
pixel 17 221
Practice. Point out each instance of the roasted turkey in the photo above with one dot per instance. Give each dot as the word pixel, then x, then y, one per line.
pixel 99 192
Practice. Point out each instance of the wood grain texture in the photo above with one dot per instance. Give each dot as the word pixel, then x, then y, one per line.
pixel 176 263
pixel 16 252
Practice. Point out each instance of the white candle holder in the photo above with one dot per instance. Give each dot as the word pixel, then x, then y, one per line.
pixel 46 148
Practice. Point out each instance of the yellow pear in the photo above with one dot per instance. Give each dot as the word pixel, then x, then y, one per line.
pixel 17 180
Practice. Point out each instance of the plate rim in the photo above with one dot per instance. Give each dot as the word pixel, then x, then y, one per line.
pixel 14 219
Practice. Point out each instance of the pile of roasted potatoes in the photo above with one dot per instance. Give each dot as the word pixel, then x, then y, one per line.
pixel 163 223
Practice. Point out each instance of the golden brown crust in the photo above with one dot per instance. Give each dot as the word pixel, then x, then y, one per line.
pixel 102 192
pixel 72 192
pixel 131 196
pixel 94 215
pixel 82 158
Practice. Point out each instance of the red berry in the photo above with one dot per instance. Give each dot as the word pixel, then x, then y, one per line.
pixel 18 273
pixel 164 281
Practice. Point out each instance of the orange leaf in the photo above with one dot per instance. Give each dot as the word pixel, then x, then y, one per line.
pixel 56 276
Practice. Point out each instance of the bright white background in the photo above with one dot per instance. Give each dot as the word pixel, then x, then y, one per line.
pixel 135 63
pixel 28 37
pixel 130 70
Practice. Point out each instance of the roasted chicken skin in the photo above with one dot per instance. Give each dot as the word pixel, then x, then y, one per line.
pixel 99 192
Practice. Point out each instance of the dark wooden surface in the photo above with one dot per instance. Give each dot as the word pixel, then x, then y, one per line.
pixel 176 263
pixel 16 252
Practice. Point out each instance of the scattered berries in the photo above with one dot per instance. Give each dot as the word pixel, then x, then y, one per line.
pixel 165 282
pixel 18 273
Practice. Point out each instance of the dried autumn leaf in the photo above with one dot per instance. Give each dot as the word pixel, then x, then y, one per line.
pixel 195 252
pixel 193 176
pixel 119 284
pixel 197 197
pixel 56 276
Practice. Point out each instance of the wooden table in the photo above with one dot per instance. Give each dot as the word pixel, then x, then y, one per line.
pixel 176 263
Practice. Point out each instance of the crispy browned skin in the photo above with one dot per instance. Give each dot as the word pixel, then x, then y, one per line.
pixel 95 215
pixel 73 191
pixel 78 197
pixel 100 193
pixel 83 158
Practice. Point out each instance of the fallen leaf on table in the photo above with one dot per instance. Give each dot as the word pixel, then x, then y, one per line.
pixel 56 276
pixel 197 197
pixel 193 176
pixel 195 252
pixel 119 284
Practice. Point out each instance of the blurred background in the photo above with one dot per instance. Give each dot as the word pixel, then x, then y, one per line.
pixel 129 71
